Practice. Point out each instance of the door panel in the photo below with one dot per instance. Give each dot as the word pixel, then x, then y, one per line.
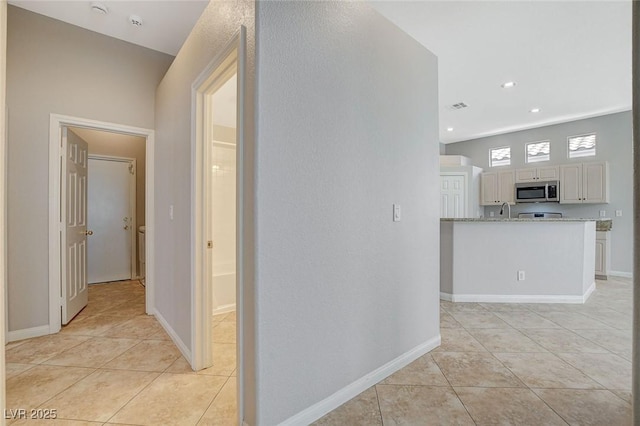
pixel 452 196
pixel 74 290
pixel 110 220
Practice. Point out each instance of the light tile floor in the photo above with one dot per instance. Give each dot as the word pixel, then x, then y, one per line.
pixel 520 364
pixel 115 365
pixel 525 364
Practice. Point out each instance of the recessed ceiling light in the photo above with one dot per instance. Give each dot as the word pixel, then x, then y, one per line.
pixel 135 20
pixel 534 110
pixel 449 129
pixel 99 8
pixel 508 84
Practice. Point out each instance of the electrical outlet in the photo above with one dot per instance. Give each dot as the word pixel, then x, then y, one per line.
pixel 603 213
pixel 520 275
pixel 491 214
pixel 618 213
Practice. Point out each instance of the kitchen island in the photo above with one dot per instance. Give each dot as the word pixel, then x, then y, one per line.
pixel 517 260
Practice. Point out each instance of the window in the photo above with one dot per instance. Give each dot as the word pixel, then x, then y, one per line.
pixel 538 151
pixel 582 145
pixel 500 156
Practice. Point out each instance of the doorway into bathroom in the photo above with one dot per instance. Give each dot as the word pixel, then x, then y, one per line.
pixel 217 234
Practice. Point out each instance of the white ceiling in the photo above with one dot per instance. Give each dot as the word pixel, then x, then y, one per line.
pixel 165 24
pixel 571 59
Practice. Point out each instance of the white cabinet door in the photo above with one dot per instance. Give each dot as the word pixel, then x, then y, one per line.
pixel 584 183
pixel 489 189
pixel 600 252
pixel 506 187
pixel 548 173
pixel 526 175
pixel 594 183
pixel 452 196
pixel 571 183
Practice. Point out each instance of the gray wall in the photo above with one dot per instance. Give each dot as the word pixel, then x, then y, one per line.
pixel 344 132
pixel 614 144
pixel 53 67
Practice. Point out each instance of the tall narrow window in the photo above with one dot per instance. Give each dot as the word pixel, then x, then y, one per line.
pixel 500 156
pixel 582 145
pixel 538 151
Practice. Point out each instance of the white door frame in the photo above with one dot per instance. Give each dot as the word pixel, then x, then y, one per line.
pixel 56 122
pixel 132 204
pixel 201 300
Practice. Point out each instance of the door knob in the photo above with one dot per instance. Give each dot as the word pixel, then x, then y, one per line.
pixel 126 227
pixel 88 232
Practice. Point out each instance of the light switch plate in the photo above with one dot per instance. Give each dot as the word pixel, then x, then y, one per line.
pixel 397 214
pixel 171 212
pixel 618 213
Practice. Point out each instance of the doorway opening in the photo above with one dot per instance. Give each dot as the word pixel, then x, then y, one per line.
pixel 218 211
pixel 60 290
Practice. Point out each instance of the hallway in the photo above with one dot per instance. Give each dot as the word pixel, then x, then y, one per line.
pixel 114 364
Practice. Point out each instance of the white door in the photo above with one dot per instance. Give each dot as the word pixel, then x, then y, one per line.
pixel 75 294
pixel 110 219
pixel 452 196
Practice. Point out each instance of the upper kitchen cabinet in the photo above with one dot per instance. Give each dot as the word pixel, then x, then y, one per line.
pixel 497 188
pixel 533 174
pixel 584 183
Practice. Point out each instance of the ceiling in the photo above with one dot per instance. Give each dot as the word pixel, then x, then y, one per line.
pixel 165 24
pixel 571 59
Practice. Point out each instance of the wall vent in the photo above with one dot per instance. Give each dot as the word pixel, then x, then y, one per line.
pixel 459 105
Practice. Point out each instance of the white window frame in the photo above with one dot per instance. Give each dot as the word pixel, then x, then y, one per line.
pixel 491 156
pixel 526 152
pixel 595 146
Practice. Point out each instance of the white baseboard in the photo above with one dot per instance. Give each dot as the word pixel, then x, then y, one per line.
pixel 446 296
pixel 621 274
pixel 28 333
pixel 517 298
pixel 224 309
pixel 323 407
pixel 174 336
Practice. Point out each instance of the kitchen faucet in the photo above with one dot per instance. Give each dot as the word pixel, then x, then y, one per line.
pixel 508 209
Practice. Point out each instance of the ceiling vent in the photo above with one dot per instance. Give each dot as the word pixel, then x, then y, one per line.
pixel 459 105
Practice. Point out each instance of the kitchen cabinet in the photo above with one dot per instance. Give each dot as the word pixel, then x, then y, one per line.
pixel 533 174
pixel 603 255
pixel 584 183
pixel 497 188
pixel 459 192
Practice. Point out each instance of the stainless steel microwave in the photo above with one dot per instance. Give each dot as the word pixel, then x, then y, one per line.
pixel 538 192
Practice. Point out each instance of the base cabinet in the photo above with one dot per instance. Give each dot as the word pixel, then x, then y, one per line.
pixel 603 255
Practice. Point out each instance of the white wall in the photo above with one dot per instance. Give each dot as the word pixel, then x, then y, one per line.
pixel 223 224
pixel 347 126
pixel 614 144
pixel 53 67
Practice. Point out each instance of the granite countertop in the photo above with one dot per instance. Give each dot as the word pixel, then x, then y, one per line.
pixel 603 224
pixel 500 219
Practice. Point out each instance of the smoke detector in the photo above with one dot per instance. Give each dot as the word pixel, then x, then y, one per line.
pixel 99 8
pixel 135 20
pixel 459 105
